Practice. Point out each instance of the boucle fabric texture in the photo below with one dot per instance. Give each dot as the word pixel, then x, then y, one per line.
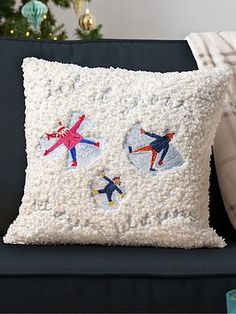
pixel 118 157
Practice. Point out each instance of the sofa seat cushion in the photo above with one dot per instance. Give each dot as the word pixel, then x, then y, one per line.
pixel 115 279
pixel 103 261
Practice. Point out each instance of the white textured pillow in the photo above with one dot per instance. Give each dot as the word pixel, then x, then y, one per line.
pixel 117 156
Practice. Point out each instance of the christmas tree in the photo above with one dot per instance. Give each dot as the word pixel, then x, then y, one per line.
pixel 13 24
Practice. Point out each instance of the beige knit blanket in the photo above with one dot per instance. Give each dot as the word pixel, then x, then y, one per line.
pixel 211 50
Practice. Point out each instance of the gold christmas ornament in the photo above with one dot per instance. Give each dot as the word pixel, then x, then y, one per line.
pixel 87 21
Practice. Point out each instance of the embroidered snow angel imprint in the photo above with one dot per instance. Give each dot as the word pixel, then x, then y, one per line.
pixel 108 190
pixel 152 152
pixel 82 149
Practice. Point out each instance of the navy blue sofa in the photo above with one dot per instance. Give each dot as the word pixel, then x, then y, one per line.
pixel 75 279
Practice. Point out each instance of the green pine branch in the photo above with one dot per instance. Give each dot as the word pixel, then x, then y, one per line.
pixel 89 35
pixel 6 8
pixel 62 3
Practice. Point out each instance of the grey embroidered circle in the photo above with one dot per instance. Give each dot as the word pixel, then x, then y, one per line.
pixel 152 152
pixel 82 150
pixel 108 190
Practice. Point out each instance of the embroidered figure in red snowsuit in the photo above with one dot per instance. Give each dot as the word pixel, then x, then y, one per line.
pixel 70 138
pixel 160 144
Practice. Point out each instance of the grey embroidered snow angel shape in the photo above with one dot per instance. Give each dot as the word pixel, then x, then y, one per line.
pixel 118 157
pixel 152 152
pixel 108 190
pixel 82 150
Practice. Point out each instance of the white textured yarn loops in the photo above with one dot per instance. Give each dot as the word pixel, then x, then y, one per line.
pixel 157 202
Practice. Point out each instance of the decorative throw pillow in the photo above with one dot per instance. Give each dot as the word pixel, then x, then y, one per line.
pixel 118 157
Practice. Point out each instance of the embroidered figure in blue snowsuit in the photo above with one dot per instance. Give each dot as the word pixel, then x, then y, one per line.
pixel 159 145
pixel 110 188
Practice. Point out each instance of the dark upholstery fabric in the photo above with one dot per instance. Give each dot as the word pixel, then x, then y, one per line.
pixel 95 278
pixel 149 55
pixel 115 279
pixel 128 261
pixel 114 294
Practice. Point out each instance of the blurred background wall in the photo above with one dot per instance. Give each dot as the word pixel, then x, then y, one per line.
pixel 156 18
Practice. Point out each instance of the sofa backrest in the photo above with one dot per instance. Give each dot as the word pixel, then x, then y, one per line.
pixel 148 55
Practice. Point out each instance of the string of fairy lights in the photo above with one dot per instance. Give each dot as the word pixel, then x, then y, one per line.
pixel 35 12
pixel 29 32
